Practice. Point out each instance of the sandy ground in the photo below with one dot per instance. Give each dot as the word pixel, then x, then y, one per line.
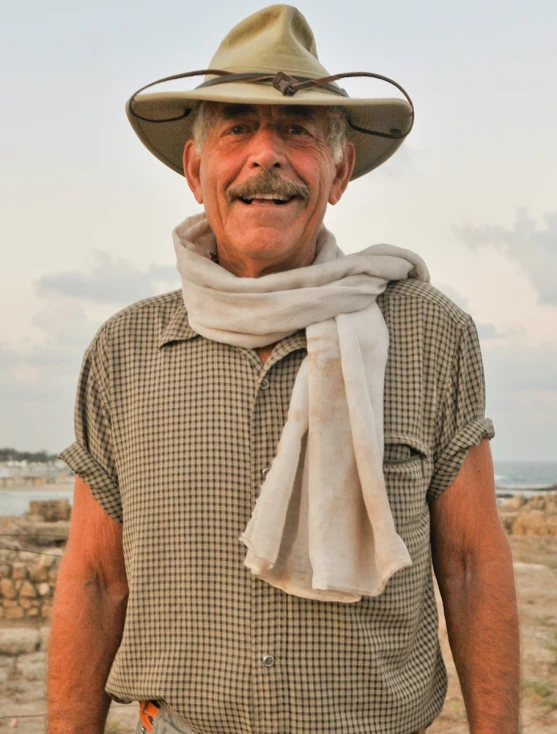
pixel 22 702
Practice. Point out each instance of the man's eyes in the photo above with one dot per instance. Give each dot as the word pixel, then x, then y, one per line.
pixel 242 128
pixel 238 129
pixel 297 130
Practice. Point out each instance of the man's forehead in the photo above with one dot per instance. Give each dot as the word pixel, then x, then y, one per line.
pixel 305 112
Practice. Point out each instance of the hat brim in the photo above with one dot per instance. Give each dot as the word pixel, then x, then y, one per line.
pixel 163 122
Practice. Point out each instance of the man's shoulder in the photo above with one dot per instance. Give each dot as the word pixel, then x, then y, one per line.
pixel 143 321
pixel 409 299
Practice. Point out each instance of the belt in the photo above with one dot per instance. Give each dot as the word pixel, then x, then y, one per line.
pixel 148 710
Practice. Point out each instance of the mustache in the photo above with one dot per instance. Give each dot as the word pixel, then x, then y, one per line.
pixel 267 182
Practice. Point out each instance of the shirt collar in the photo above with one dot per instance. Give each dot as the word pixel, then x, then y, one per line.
pixel 178 328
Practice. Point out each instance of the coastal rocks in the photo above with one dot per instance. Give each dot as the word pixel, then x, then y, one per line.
pixel 536 516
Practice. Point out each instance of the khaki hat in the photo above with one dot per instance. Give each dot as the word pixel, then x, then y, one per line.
pixel 270 58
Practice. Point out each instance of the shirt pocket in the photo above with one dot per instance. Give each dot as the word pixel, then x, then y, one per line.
pixel 407 470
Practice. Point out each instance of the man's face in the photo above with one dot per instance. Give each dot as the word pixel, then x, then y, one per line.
pixel 243 176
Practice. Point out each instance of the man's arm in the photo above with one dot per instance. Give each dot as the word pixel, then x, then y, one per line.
pixel 88 618
pixel 473 565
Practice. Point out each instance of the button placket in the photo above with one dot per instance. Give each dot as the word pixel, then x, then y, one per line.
pixel 268 678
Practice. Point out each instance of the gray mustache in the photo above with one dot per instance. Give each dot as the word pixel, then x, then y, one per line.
pixel 267 183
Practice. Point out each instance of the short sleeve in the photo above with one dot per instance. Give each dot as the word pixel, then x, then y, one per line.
pixel 461 420
pixel 91 456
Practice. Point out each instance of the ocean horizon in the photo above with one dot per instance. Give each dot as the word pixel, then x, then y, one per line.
pixel 532 475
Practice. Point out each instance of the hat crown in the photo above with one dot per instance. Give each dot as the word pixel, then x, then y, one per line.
pixel 277 38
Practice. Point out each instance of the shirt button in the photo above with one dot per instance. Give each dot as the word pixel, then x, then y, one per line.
pixel 268 661
pixel 265 471
pixel 264 384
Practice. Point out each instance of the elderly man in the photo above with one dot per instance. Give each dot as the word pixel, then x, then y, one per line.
pixel 269 459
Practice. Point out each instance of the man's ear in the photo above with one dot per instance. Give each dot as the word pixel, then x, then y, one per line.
pixel 343 172
pixel 192 165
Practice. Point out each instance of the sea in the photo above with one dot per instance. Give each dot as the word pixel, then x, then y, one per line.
pixel 525 477
pixel 511 478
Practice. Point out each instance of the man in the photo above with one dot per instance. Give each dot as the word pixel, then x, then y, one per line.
pixel 326 410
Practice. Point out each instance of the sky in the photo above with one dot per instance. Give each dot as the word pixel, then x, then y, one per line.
pixel 87 211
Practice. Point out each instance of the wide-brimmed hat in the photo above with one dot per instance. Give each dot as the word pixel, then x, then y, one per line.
pixel 270 58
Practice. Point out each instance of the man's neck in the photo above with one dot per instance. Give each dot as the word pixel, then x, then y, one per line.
pixel 248 267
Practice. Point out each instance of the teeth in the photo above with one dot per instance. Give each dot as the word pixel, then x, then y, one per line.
pixel 270 197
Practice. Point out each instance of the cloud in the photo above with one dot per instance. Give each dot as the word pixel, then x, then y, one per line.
pixel 486 330
pixel 38 380
pixel 533 246
pixel 110 281
pixel 67 331
pixel 521 385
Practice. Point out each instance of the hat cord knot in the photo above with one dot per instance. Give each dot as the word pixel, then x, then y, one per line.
pixel 283 83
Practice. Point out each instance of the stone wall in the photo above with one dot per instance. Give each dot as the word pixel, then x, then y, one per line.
pixel 31 548
pixel 27 582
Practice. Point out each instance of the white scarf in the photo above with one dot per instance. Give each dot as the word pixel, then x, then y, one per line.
pixel 322 527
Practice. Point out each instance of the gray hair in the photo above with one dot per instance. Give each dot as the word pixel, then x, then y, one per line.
pixel 204 116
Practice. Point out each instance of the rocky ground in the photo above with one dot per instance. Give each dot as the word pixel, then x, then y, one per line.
pixel 23 642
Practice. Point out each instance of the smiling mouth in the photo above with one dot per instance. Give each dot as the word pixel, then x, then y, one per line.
pixel 268 189
pixel 276 199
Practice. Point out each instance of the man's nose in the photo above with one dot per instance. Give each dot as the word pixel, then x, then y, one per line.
pixel 267 149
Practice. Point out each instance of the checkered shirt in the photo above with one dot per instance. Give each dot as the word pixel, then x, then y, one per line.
pixel 173 434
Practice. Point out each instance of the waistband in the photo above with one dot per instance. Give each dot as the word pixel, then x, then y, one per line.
pixel 148 710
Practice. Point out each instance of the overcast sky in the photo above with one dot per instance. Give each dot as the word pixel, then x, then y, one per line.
pixel 87 212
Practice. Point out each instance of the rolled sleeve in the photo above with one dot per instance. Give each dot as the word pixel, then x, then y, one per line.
pixel 91 456
pixel 462 422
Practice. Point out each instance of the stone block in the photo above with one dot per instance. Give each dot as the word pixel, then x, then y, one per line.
pixel 14 613
pixel 43 589
pixel 29 559
pixel 25 603
pixel 19 640
pixel 7 588
pixel 49 534
pixel 5 570
pixel 28 590
pixel 46 611
pixel 10 603
pixel 33 612
pixel 38 573
pixel 51 510
pixel 19 570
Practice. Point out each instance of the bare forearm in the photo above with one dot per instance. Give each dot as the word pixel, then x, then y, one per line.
pixel 482 622
pixel 86 630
